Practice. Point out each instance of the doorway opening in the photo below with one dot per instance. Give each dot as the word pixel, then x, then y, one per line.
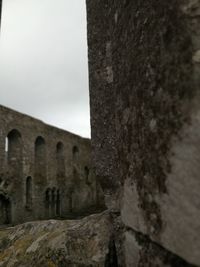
pixel 5 210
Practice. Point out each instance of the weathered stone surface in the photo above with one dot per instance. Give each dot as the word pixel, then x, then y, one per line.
pixel 145 114
pixel 140 251
pixel 53 243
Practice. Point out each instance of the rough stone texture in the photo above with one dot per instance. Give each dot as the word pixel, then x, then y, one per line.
pixel 140 251
pixel 45 172
pixel 145 115
pixel 80 243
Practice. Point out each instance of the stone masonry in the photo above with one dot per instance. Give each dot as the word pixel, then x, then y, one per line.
pixel 144 65
pixel 45 172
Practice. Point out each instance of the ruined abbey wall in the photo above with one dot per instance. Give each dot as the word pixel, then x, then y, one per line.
pixel 144 88
pixel 45 172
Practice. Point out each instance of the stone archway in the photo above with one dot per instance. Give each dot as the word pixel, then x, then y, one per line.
pixel 5 210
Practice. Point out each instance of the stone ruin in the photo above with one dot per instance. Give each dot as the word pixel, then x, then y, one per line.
pixel 144 67
pixel 45 172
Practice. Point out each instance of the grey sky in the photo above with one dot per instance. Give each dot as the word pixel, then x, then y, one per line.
pixel 43 61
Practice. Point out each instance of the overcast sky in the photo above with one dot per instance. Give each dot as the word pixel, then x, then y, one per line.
pixel 43 61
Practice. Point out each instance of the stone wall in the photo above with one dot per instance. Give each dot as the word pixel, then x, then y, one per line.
pixel 145 112
pixel 45 172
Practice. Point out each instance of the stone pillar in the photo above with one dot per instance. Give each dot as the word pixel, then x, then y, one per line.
pixel 144 66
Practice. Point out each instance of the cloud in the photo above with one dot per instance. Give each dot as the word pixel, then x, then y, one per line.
pixel 43 66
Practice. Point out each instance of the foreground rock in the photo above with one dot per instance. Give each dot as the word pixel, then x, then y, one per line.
pixel 57 243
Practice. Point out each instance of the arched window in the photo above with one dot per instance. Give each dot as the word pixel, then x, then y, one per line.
pixel 47 195
pixel 71 192
pixel 58 206
pixel 40 157
pixel 29 192
pixel 87 173
pixel 75 152
pixel 13 148
pixel 48 201
pixel 53 202
pixel 5 210
pixel 60 160
pixel 76 175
